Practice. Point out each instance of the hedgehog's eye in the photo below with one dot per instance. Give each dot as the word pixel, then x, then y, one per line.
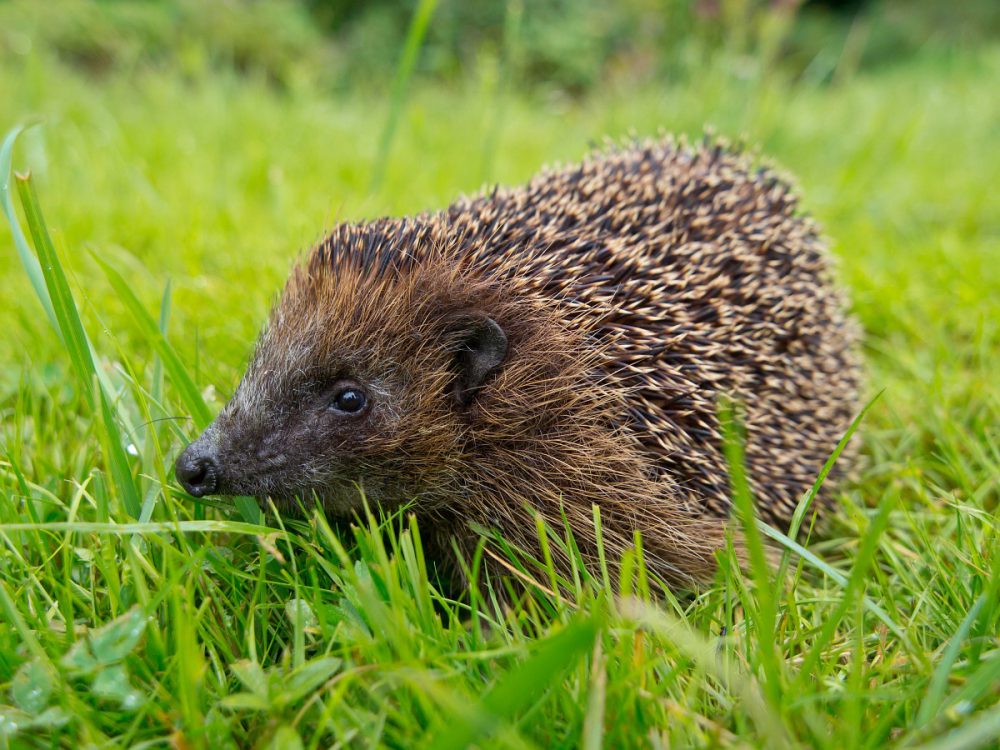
pixel 349 400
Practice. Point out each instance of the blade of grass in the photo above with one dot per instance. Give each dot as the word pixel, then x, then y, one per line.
pixel 78 346
pixel 121 473
pixel 151 448
pixel 593 723
pixel 16 621
pixel 821 565
pixel 980 683
pixel 803 507
pixel 512 20
pixel 150 330
pixel 249 510
pixel 404 71
pixel 190 395
pixel 932 702
pixel 519 688
pixel 708 656
pixel 153 527
pixel 981 731
pixel 164 324
pixel 765 613
pixel 57 285
pixel 865 557
pixel 28 259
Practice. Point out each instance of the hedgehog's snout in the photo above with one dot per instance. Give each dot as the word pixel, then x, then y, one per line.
pixel 197 468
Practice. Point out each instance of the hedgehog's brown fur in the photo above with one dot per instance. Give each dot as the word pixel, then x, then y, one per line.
pixel 634 290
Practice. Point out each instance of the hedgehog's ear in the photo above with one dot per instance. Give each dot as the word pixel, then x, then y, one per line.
pixel 482 346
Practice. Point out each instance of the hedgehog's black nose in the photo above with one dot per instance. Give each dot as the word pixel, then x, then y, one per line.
pixel 197 470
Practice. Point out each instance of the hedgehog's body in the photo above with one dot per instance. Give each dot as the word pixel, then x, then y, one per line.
pixel 553 347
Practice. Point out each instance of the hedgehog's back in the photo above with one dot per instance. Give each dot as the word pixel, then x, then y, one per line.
pixel 698 278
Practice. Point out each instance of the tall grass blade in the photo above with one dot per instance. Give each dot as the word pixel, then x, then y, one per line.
pixel 519 688
pixel 939 682
pixel 983 731
pixel 728 671
pixel 150 329
pixel 513 16
pixel 855 582
pixel 121 474
pixel 28 259
pixel 766 609
pixel 127 529
pixel 189 393
pixel 820 564
pixel 57 285
pixel 249 510
pixel 803 507
pixel 78 346
pixel 16 621
pixel 980 683
pixel 593 723
pixel 407 62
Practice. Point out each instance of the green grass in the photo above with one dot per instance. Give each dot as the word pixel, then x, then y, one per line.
pixel 130 615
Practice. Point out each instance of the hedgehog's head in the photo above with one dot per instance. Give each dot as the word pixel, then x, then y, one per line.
pixel 373 371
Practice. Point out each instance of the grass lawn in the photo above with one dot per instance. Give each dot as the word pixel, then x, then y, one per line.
pixel 178 205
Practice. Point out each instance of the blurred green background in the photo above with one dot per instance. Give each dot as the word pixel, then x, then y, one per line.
pixel 211 141
pixel 564 46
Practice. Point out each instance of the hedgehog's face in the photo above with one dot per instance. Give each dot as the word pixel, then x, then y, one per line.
pixel 320 417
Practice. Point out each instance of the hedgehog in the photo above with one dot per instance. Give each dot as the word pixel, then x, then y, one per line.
pixel 538 351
